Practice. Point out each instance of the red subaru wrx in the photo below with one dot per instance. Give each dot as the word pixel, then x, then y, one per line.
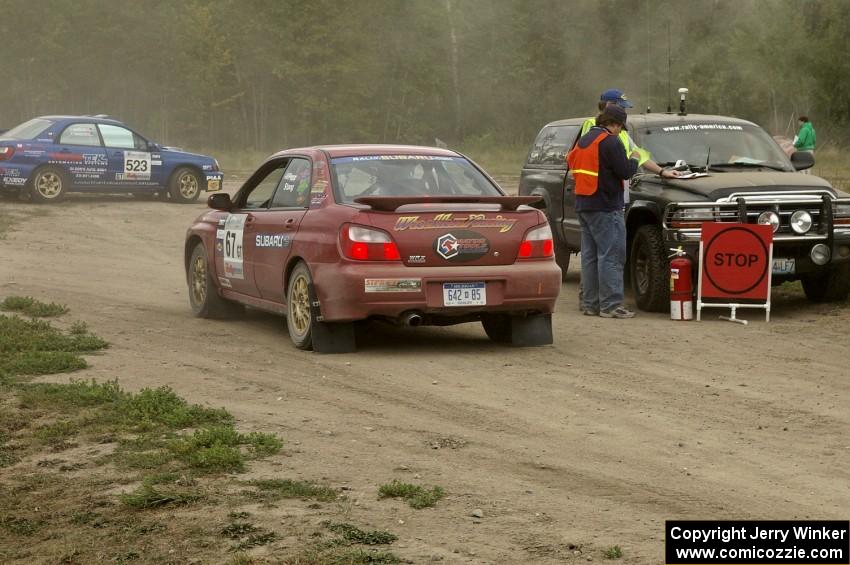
pixel 411 235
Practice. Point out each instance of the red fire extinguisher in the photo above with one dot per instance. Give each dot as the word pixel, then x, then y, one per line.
pixel 681 287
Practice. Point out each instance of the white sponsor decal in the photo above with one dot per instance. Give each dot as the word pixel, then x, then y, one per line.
pixel 14 180
pixel 699 127
pixel 392 285
pixel 137 165
pixel 95 159
pixel 271 240
pixel 234 228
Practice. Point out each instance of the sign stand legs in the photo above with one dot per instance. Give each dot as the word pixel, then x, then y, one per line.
pixel 732 318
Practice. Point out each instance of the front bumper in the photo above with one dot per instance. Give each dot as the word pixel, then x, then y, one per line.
pixel 528 286
pixel 682 225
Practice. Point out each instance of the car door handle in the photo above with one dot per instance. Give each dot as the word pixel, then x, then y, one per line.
pixel 290 223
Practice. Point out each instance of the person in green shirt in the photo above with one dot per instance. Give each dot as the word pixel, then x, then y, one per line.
pixel 805 138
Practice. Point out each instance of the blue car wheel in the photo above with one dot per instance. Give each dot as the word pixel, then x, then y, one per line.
pixel 185 185
pixel 48 185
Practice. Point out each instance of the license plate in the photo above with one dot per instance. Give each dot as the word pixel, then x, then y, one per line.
pixel 782 266
pixel 465 294
pixel 213 185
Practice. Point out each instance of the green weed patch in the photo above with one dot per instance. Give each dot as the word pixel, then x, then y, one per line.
pixel 415 495
pixel 32 307
pixel 34 347
pixel 148 496
pixel 353 534
pixel 274 489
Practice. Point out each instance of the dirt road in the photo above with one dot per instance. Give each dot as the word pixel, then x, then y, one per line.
pixel 567 449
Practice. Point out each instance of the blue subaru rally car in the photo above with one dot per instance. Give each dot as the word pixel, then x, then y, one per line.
pixel 53 155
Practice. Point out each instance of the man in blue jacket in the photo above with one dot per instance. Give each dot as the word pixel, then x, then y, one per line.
pixel 600 165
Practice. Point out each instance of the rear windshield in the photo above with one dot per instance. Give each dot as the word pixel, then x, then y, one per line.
pixel 407 175
pixel 552 144
pixel 713 143
pixel 28 130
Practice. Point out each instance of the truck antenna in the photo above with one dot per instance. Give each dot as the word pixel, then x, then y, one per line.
pixel 669 99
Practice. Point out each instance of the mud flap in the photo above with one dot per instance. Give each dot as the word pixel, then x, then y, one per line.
pixel 532 330
pixel 330 337
pixel 334 337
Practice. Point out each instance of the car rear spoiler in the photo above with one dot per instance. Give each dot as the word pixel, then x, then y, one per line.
pixel 391 203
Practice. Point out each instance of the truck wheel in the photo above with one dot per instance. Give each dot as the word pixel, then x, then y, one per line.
pixel 497 327
pixel 648 270
pixel 830 286
pixel 48 185
pixel 203 294
pixel 185 186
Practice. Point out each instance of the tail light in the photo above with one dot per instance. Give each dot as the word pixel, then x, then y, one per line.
pixel 367 244
pixel 6 153
pixel 537 244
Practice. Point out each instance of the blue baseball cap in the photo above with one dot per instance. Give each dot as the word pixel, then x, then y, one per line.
pixel 616 96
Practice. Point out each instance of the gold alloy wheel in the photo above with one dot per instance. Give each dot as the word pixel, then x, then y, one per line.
pixel 188 183
pixel 49 184
pixel 299 300
pixel 199 280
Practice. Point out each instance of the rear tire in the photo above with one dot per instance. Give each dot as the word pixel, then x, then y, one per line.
pixel 203 294
pixel 497 327
pixel 648 270
pixel 49 184
pixel 299 311
pixel 830 286
pixel 185 185
pixel 528 331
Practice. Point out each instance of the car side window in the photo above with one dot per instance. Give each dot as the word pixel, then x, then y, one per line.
pixel 293 191
pixel 80 134
pixel 552 145
pixel 260 196
pixel 116 136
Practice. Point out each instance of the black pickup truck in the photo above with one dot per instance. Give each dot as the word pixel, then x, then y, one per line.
pixel 749 179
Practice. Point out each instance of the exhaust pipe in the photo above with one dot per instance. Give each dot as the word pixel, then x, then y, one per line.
pixel 411 319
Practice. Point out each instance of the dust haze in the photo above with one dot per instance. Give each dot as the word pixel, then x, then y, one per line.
pixel 262 75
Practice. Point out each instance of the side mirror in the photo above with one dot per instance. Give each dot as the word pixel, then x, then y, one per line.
pixel 154 146
pixel 220 201
pixel 802 160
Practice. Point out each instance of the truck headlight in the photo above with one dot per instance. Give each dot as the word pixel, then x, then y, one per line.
pixel 801 222
pixel 820 254
pixel 769 218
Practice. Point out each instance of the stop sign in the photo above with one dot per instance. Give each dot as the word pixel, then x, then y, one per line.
pixel 736 261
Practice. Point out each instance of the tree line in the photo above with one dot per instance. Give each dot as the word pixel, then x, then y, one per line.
pixel 262 75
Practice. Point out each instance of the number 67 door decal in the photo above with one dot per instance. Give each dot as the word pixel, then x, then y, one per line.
pixel 234 228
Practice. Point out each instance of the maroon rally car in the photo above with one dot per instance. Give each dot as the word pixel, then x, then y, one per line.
pixel 411 235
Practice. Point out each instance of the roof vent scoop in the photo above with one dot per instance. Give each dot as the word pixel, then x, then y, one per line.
pixel 683 92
